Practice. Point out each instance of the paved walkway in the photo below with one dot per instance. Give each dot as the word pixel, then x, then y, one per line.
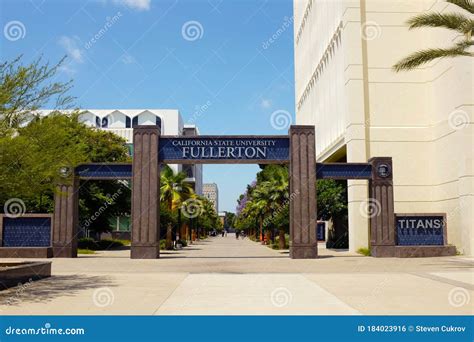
pixel 223 275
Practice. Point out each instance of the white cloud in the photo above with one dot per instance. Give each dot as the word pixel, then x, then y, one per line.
pixel 70 45
pixel 266 103
pixel 139 5
pixel 67 69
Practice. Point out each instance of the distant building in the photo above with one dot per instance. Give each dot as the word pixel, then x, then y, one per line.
pixel 194 172
pixel 211 192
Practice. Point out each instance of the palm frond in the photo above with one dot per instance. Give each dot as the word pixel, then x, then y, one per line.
pixel 468 5
pixel 425 56
pixel 453 21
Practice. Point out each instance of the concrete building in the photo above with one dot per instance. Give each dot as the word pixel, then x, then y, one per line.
pixel 345 86
pixel 211 192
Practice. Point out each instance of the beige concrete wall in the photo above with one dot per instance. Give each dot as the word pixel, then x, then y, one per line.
pixel 357 100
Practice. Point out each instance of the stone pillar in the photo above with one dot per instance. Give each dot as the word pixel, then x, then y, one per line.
pixel 304 244
pixel 66 220
pixel 145 193
pixel 381 207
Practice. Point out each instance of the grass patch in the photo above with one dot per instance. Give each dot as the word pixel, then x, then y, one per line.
pixel 124 242
pixel 85 251
pixel 364 251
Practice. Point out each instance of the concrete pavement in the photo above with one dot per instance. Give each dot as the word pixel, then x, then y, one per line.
pixel 223 275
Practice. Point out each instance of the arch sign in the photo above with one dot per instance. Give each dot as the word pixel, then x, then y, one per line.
pixel 297 149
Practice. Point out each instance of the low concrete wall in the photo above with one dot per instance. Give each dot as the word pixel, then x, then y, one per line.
pixel 14 273
pixel 26 252
pixel 412 251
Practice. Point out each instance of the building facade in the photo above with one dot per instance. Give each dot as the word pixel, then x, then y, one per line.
pixel 361 108
pixel 211 192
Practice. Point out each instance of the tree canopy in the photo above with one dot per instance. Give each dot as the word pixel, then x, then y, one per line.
pixel 34 148
pixel 26 88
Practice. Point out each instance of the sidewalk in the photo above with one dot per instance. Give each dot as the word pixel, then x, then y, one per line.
pixel 223 275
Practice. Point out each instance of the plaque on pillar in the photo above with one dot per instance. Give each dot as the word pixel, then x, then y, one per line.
pixel 382 220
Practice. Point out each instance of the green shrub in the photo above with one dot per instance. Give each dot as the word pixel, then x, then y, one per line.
pixel 85 251
pixel 182 242
pixel 276 245
pixel 109 244
pixel 124 242
pixel 90 244
pixel 364 251
pixel 162 245
pixel 87 243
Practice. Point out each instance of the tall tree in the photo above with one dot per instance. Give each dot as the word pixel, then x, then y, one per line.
pixel 26 88
pixel 461 23
pixel 332 206
pixel 33 148
pixel 31 159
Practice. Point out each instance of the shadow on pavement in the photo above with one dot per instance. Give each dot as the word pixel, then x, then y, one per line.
pixel 225 257
pixel 47 289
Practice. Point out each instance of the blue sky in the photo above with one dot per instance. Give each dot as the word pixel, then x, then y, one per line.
pixel 233 57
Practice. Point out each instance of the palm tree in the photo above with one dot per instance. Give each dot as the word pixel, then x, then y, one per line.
pixel 174 190
pixel 461 23
pixel 207 215
pixel 260 205
pixel 278 195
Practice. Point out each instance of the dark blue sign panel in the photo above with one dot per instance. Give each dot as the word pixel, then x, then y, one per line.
pixel 205 149
pixel 27 232
pixel 104 171
pixel 321 231
pixel 343 171
pixel 414 230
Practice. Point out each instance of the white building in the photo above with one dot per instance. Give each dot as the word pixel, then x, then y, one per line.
pixel 122 122
pixel 345 86
pixel 211 192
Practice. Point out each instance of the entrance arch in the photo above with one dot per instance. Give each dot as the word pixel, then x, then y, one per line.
pixel 297 149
